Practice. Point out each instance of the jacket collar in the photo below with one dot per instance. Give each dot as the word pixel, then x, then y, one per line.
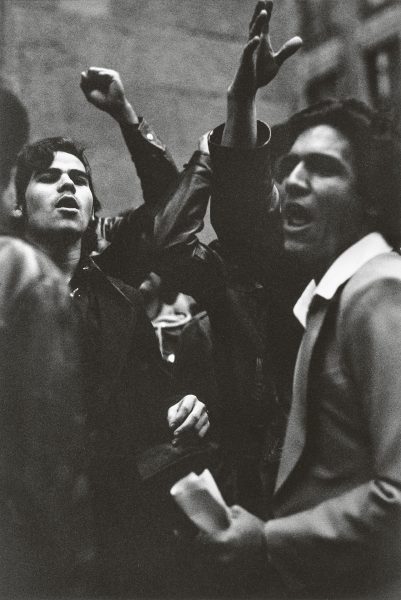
pixel 342 269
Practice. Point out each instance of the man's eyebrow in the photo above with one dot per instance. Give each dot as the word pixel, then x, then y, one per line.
pixel 319 156
pixel 77 172
pixel 315 154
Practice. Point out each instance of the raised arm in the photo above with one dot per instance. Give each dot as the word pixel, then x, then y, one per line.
pixel 242 190
pixel 155 167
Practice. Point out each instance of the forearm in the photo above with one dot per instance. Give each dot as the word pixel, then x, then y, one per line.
pixel 240 130
pixel 320 547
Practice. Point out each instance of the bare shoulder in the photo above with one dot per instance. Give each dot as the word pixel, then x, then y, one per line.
pixel 21 264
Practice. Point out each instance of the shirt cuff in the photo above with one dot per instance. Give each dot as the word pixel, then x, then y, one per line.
pixel 142 131
pixel 263 137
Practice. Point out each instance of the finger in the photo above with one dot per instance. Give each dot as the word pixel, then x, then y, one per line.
pixel 188 425
pixel 84 83
pixel 172 414
pixel 203 143
pixel 93 70
pixel 99 74
pixel 177 413
pixel 260 24
pixel 203 431
pixel 95 96
pixel 261 5
pixel 250 48
pixel 269 10
pixel 202 421
pixel 288 49
pixel 102 73
pixel 192 419
pixel 95 80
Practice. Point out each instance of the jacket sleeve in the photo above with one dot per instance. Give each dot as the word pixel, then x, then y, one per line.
pixel 181 258
pixel 163 237
pixel 244 203
pixel 155 168
pixel 343 536
pixel 153 162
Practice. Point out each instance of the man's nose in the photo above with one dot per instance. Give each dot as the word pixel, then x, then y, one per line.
pixel 297 182
pixel 66 183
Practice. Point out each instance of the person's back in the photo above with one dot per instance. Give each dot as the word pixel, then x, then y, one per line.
pixel 45 519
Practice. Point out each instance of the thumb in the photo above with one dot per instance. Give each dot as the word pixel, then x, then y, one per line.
pixel 288 49
pixel 96 97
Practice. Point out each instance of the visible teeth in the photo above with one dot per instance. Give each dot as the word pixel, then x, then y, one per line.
pixel 296 222
pixel 296 215
pixel 67 203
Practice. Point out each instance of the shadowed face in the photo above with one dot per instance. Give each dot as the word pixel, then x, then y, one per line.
pixel 58 199
pixel 321 213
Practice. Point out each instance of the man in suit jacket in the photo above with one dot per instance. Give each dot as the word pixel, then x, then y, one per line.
pixel 336 527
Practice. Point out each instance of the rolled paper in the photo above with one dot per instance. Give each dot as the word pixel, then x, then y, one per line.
pixel 201 500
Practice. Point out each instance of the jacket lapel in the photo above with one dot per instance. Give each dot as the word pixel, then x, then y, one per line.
pixel 296 429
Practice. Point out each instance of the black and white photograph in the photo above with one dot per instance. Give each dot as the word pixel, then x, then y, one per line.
pixel 200 300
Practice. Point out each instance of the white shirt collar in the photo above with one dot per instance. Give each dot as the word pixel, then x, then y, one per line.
pixel 344 267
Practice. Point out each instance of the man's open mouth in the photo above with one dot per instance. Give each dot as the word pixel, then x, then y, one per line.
pixel 67 202
pixel 296 215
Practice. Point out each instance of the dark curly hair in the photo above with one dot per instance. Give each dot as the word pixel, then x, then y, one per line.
pixel 38 157
pixel 376 149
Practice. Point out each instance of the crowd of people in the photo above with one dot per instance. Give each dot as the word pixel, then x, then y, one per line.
pixel 132 354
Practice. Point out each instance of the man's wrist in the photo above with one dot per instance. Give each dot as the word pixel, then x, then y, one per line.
pixel 125 115
pixel 241 97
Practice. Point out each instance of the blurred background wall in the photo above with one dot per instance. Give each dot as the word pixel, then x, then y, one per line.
pixel 176 58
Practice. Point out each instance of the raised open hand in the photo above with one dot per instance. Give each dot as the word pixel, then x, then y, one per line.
pixel 259 63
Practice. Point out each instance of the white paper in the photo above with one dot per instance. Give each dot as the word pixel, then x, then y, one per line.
pixel 200 499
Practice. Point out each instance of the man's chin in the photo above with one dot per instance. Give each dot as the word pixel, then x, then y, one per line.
pixel 294 249
pixel 300 256
pixel 63 234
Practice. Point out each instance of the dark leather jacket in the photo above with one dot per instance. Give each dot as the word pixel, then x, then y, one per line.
pixel 128 391
pixel 231 279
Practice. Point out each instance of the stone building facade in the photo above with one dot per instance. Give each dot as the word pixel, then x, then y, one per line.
pixel 176 58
